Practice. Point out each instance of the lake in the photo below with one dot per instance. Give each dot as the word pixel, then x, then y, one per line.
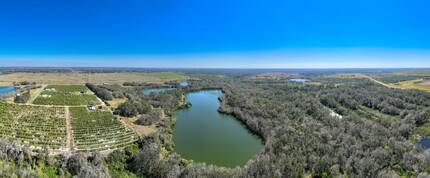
pixel 203 134
pixel 7 89
pixel 156 90
pixel 184 84
pixel 302 80
pixel 425 143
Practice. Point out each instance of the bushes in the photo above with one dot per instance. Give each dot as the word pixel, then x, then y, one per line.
pixel 100 92
pixel 22 98
pixel 132 108
pixel 127 109
pixel 118 94
pixel 151 118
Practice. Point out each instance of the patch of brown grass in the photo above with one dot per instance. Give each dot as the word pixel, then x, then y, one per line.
pixel 116 102
pixel 140 129
pixel 98 78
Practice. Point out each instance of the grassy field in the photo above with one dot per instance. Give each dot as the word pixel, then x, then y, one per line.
pixel 140 129
pixel 65 95
pixel 98 78
pixel 116 102
pixel 419 84
pixel 423 130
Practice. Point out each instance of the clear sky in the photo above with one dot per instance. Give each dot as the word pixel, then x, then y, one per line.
pixel 222 33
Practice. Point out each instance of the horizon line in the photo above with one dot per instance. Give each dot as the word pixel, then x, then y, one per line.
pixel 107 67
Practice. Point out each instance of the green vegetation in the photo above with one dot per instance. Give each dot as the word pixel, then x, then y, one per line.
pixel 37 127
pixel 375 137
pixel 389 78
pixel 99 130
pixel 415 72
pixel 102 93
pixel 72 95
pixel 411 84
pixel 22 98
pixel 68 88
pixel 17 161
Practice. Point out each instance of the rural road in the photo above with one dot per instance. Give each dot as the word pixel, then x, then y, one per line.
pixel 378 82
pixel 69 144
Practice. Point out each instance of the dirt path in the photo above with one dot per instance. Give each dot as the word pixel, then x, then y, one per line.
pixel 69 137
pixel 379 82
pixel 36 94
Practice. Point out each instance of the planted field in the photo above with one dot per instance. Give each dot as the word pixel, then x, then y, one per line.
pixel 33 126
pixel 72 95
pixel 419 84
pixel 98 130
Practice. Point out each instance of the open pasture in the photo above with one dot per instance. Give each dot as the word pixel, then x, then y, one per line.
pixel 96 78
pixel 98 130
pixel 65 95
pixel 419 84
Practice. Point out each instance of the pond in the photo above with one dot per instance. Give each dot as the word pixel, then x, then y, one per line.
pixel 7 89
pixel 425 143
pixel 156 90
pixel 184 84
pixel 301 80
pixel 203 134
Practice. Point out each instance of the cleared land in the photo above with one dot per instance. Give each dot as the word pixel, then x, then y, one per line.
pixel 140 129
pixel 419 84
pixel 65 95
pixel 97 78
pixel 116 102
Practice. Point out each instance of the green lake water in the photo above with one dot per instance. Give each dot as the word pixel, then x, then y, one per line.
pixel 203 134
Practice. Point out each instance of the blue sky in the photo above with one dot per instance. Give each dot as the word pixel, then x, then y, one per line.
pixel 222 33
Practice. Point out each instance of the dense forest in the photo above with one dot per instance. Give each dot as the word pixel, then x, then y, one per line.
pixel 373 138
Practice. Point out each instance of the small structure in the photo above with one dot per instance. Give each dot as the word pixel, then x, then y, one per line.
pixel 46 96
pixel 92 108
pixel 50 89
pixel 83 92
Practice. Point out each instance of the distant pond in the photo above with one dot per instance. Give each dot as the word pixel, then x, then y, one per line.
pixel 425 143
pixel 203 134
pixel 184 84
pixel 301 80
pixel 6 89
pixel 156 90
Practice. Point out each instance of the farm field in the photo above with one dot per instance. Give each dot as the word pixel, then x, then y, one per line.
pixel 419 84
pixel 98 78
pixel 33 126
pixel 98 130
pixel 65 95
